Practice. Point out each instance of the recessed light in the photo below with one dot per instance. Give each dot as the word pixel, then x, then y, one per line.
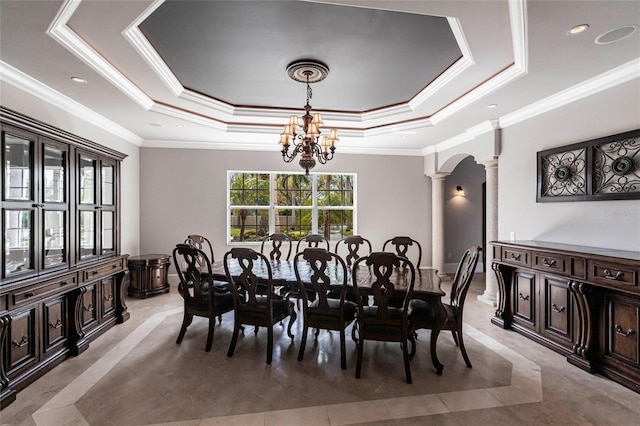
pixel 79 79
pixel 578 29
pixel 156 125
pixel 617 34
pixel 492 105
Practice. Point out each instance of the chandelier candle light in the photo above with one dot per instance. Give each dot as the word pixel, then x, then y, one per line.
pixel 308 144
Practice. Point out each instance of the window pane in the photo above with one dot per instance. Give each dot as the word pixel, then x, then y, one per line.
pixel 249 224
pixel 54 174
pixel 296 223
pixel 54 238
pixel 335 224
pixel 17 168
pixel 249 189
pixel 87 180
pixel 335 190
pixel 293 190
pixel 18 245
pixel 87 235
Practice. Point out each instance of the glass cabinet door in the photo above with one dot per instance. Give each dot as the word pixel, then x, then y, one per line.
pixel 18 241
pixel 87 234
pixel 87 170
pixel 107 208
pixel 54 196
pixel 18 204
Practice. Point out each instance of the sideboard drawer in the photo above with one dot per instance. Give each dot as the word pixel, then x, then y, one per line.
pixel 549 262
pixel 28 294
pixel 103 270
pixel 516 257
pixel 611 274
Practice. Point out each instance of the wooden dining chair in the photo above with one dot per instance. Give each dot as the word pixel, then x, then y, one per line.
pixel 279 243
pixel 201 297
pixel 201 243
pixel 250 305
pixel 324 312
pixel 353 244
pixel 423 315
pixel 403 245
pixel 381 321
pixel 313 240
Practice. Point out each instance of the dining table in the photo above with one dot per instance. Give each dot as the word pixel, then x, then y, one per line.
pixel 426 285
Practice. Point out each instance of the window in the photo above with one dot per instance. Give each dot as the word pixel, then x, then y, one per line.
pixel 292 203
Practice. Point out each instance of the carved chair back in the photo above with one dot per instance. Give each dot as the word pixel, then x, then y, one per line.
pixel 279 244
pixel 353 244
pixel 403 245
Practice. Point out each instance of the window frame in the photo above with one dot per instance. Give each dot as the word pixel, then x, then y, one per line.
pixel 272 207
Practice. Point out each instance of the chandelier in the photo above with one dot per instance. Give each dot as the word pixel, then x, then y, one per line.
pixel 307 143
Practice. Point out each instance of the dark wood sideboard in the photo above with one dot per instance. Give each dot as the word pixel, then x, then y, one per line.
pixel 583 302
pixel 62 277
pixel 148 274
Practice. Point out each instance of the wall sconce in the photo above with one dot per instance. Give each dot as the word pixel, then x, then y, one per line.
pixel 460 191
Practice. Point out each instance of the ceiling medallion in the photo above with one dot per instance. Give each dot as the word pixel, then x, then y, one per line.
pixel 307 143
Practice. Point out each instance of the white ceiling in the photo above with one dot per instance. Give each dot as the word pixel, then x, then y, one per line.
pixel 515 54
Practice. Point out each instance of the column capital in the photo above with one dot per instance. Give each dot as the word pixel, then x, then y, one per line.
pixel 489 162
pixel 438 175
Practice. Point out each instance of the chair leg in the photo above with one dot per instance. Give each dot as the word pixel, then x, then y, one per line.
pixel 343 350
pixel 234 339
pixel 186 321
pixel 255 330
pixel 354 332
pixel 303 342
pixel 292 319
pixel 359 360
pixel 462 349
pixel 413 336
pixel 212 326
pixel 455 337
pixel 219 319
pixel 269 344
pixel 407 365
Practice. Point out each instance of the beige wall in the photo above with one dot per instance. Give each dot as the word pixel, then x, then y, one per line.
pixel 183 191
pixel 611 224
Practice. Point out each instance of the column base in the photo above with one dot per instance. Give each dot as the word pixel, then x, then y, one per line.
pixel 484 298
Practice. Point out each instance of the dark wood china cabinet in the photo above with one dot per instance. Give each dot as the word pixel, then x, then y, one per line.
pixel 583 302
pixel 63 278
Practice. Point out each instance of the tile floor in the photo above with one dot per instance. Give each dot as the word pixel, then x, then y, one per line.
pixel 135 374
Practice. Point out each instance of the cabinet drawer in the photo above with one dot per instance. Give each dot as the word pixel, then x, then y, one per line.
pixel 28 294
pixel 549 262
pixel 516 257
pixel 103 270
pixel 609 274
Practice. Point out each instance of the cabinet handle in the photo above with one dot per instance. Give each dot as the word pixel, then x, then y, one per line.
pixel 89 308
pixel 617 277
pixel 94 272
pixel 109 298
pixel 557 309
pixel 23 342
pixel 629 332
pixel 98 207
pixel 514 257
pixel 550 264
pixel 28 295
pixel 58 324
pixel 37 205
pixel 63 283
pixel 523 297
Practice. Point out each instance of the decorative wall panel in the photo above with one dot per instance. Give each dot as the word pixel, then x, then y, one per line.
pixel 601 169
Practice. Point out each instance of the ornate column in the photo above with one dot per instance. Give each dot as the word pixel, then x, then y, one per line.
pixel 490 295
pixel 437 222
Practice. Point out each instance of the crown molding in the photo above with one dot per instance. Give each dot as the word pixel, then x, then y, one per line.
pixel 60 32
pixel 28 84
